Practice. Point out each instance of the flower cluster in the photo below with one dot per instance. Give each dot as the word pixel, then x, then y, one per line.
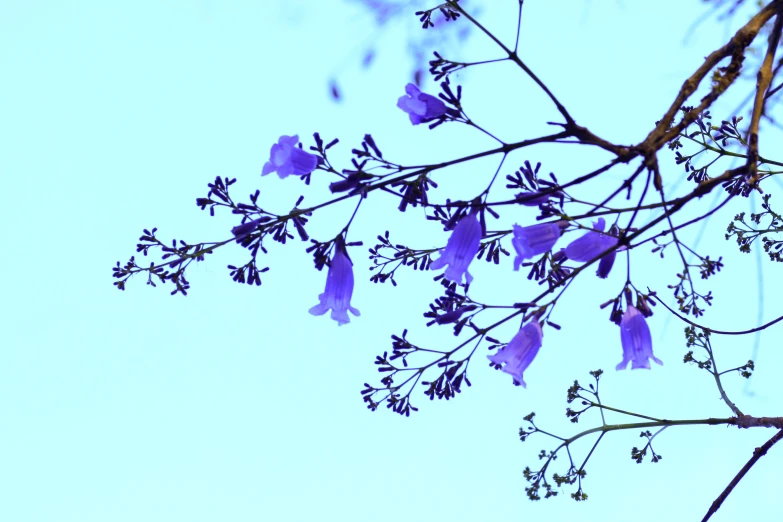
pixel 462 247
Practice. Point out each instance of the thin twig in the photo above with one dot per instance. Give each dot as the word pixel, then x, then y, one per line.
pixel 757 454
pixel 715 373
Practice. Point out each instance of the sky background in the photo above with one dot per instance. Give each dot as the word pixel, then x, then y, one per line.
pixel 234 403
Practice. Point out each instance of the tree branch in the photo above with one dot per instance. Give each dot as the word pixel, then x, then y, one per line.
pixel 757 454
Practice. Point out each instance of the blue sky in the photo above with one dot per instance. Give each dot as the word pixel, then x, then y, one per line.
pixel 234 403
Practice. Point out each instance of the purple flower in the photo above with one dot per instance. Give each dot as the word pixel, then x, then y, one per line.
pixel 636 340
pixel 534 240
pixel 286 158
pixel 339 287
pixel 462 247
pixel 421 107
pixel 593 244
pixel 520 352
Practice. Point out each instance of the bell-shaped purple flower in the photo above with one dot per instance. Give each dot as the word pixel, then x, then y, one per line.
pixel 534 240
pixel 462 247
pixel 339 287
pixel 593 244
pixel 286 158
pixel 520 352
pixel 636 340
pixel 421 107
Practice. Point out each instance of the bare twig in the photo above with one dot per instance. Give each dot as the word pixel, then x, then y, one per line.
pixel 716 374
pixel 757 454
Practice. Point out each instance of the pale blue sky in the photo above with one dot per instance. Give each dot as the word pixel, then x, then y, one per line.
pixel 234 403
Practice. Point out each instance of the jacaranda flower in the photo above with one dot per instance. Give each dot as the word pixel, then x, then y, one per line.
pixel 421 107
pixel 636 339
pixel 534 240
pixel 462 247
pixel 286 158
pixel 520 352
pixel 339 287
pixel 593 244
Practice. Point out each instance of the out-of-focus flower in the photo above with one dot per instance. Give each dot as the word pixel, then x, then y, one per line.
pixel 534 240
pixel 591 245
pixel 520 352
pixel 462 247
pixel 339 287
pixel 286 158
pixel 421 107
pixel 636 340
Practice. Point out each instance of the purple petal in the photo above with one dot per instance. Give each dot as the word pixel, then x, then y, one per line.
pixel 435 107
pixel 415 118
pixel 412 91
pixel 412 105
pixel 605 264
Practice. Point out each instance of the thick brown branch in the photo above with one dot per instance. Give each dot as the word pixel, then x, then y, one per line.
pixel 734 48
pixel 763 81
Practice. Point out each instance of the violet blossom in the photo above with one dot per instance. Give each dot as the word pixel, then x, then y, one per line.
pixel 339 287
pixel 591 245
pixel 286 158
pixel 462 247
pixel 421 107
pixel 534 240
pixel 636 340
pixel 520 351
